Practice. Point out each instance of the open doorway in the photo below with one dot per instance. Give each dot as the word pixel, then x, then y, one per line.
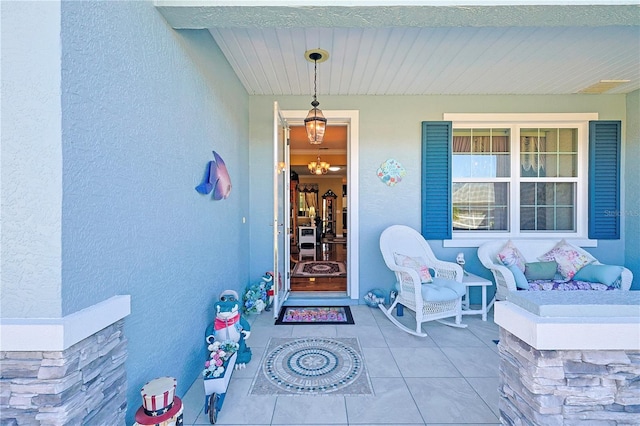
pixel 319 211
pixel 345 120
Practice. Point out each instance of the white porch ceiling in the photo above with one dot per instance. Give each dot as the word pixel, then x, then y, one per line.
pixel 421 47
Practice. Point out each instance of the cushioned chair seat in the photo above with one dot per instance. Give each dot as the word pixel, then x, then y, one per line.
pixel 434 293
pixel 440 290
pixel 454 285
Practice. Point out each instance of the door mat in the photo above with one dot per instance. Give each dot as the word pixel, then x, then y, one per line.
pixel 312 366
pixel 292 315
pixel 325 268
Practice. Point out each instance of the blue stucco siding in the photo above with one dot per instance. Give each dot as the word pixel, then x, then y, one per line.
pixel 390 127
pixel 143 106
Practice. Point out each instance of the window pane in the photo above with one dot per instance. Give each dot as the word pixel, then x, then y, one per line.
pixel 565 219
pixel 564 194
pixel 568 140
pixel 547 206
pixel 548 152
pixel 567 165
pixel 532 162
pixel 481 206
pixel 481 153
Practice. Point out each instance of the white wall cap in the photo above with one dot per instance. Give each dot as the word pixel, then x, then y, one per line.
pixel 58 334
pixel 568 333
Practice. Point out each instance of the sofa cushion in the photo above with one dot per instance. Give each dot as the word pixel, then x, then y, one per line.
pixel 570 260
pixel 605 274
pixel 573 285
pixel 510 255
pixel 540 270
pixel 518 276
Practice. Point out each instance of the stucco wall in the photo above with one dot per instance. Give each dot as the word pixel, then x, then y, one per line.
pixel 99 166
pixel 31 172
pixel 632 187
pixel 390 127
pixel 143 107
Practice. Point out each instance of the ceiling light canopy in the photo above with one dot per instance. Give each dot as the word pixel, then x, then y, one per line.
pixel 318 167
pixel 315 123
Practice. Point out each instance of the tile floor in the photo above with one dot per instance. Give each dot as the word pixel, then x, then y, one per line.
pixel 450 377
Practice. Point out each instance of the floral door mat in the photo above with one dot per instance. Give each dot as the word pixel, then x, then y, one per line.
pixel 312 366
pixel 315 315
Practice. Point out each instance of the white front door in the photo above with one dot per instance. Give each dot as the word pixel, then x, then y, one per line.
pixel 281 210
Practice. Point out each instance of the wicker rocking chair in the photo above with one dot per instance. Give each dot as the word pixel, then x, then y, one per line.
pixel 410 257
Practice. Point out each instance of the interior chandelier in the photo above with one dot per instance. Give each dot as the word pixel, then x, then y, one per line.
pixel 318 167
pixel 315 123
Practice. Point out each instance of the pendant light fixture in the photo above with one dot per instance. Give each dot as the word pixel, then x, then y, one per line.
pixel 315 123
pixel 318 167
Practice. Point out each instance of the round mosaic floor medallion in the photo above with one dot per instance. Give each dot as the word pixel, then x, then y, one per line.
pixel 313 365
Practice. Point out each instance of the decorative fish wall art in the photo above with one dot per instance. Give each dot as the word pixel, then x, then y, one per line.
pixel 216 178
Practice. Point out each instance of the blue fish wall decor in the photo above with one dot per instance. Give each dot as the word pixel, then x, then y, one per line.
pixel 216 178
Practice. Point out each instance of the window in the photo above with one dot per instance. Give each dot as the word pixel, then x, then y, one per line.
pixel 481 175
pixel 518 175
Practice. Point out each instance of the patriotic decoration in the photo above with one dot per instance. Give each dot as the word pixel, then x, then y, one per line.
pixel 160 405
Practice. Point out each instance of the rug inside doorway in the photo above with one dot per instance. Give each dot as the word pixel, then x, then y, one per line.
pixel 293 315
pixel 323 268
pixel 312 366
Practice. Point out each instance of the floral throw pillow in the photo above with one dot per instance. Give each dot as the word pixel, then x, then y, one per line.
pixel 416 264
pixel 569 259
pixel 510 255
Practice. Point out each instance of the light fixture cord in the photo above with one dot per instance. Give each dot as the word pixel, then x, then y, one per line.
pixel 315 80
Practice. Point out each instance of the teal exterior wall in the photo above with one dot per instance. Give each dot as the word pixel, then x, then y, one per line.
pixel 143 106
pixel 109 117
pixel 631 217
pixel 31 156
pixel 390 127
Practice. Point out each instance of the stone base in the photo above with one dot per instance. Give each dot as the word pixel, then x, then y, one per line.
pixel 567 387
pixel 84 384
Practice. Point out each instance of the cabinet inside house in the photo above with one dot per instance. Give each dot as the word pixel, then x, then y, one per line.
pixel 293 201
pixel 329 214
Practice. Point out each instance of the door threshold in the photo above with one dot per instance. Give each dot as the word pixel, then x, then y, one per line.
pixel 317 294
pixel 319 298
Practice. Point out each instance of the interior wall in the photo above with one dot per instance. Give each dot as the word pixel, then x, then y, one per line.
pixel 390 127
pixel 143 107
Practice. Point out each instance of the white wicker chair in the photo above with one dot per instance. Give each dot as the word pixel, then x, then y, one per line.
pixel 400 239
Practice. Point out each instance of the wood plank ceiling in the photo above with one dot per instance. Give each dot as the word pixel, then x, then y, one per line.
pixel 423 47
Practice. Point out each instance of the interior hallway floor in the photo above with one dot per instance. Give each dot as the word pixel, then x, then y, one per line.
pixel 449 377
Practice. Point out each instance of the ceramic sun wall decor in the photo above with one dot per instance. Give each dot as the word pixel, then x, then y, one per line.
pixel 216 179
pixel 391 172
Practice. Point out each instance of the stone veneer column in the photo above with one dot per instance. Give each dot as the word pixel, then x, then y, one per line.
pixel 84 384
pixel 569 358
pixel 567 387
pixel 65 371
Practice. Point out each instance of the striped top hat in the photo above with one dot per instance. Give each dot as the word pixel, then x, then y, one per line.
pixel 159 402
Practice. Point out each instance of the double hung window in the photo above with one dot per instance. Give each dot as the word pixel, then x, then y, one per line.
pixel 519 175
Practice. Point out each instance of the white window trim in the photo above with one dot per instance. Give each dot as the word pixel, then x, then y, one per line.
pixel 516 121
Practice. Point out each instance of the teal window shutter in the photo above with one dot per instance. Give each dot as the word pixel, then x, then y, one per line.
pixel 436 180
pixel 604 180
